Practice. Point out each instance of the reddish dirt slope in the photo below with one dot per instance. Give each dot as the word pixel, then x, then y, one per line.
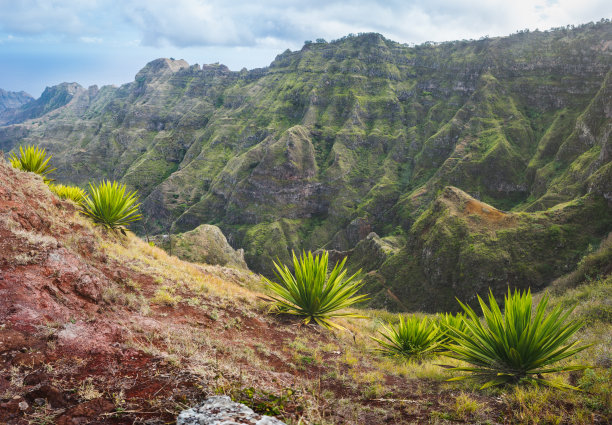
pixel 56 330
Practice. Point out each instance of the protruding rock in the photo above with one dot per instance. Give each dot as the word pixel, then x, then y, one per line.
pixel 205 244
pixel 221 410
pixel 347 238
pixel 373 251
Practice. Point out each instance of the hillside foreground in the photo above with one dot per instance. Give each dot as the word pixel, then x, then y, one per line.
pixel 101 328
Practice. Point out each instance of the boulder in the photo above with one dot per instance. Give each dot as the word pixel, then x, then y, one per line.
pixel 204 244
pixel 221 410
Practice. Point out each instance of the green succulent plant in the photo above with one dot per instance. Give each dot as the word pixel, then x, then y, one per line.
pixel 109 205
pixel 410 338
pixel 447 323
pixel 517 345
pixel 73 193
pixel 34 159
pixel 312 292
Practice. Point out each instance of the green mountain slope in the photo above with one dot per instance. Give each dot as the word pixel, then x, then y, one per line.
pixel 361 134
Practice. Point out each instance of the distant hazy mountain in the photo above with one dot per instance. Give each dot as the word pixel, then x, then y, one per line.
pixel 11 99
pixel 477 163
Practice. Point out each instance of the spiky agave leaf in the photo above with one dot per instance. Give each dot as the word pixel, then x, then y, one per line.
pixel 313 293
pixel 110 206
pixel 515 346
pixel 33 159
pixel 73 193
pixel 411 337
pixel 449 323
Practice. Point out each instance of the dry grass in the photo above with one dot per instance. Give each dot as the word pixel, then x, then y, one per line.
pixel 87 390
pixel 144 258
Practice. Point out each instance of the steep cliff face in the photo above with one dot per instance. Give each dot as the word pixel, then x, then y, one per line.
pixel 363 128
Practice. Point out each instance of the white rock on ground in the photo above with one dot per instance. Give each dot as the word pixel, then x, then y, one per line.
pixel 221 410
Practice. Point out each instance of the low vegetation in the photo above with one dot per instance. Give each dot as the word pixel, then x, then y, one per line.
pixel 512 347
pixel 110 206
pixel 447 323
pixel 515 346
pixel 411 338
pixel 33 159
pixel 311 292
pixel 74 193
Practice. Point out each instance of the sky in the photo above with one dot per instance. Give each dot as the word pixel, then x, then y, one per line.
pixel 46 42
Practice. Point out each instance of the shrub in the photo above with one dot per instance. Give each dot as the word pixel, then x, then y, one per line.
pixel 412 337
pixel 33 159
pixel 515 346
pixel 73 193
pixel 109 205
pixel 311 292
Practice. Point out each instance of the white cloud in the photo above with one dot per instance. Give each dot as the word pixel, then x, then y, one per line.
pixel 91 40
pixel 184 23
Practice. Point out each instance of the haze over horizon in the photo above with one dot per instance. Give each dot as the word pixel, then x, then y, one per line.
pixel 46 42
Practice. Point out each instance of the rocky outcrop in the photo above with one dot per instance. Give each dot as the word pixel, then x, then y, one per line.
pixel 345 239
pixel 205 244
pixel 221 410
pixel 373 251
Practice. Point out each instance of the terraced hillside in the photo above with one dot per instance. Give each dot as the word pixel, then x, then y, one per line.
pixel 361 135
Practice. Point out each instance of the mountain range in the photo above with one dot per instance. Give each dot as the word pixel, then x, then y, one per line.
pixel 441 170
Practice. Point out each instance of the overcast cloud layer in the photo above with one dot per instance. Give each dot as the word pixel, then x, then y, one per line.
pixel 110 40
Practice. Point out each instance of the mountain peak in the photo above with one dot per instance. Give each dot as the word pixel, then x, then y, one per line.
pixel 161 66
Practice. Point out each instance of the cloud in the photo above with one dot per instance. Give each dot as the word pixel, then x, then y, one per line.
pixel 91 40
pixel 189 23
pixel 28 17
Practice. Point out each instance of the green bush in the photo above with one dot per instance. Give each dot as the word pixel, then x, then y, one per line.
pixel 110 206
pixel 515 346
pixel 412 337
pixel 33 159
pixel 311 292
pixel 73 193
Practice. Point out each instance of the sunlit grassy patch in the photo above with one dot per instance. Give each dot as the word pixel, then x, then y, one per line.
pixel 166 296
pixel 73 193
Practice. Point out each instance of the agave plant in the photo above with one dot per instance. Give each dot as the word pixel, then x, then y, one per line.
pixel 109 205
pixel 448 323
pixel 33 159
pixel 312 292
pixel 516 346
pixel 412 337
pixel 73 193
